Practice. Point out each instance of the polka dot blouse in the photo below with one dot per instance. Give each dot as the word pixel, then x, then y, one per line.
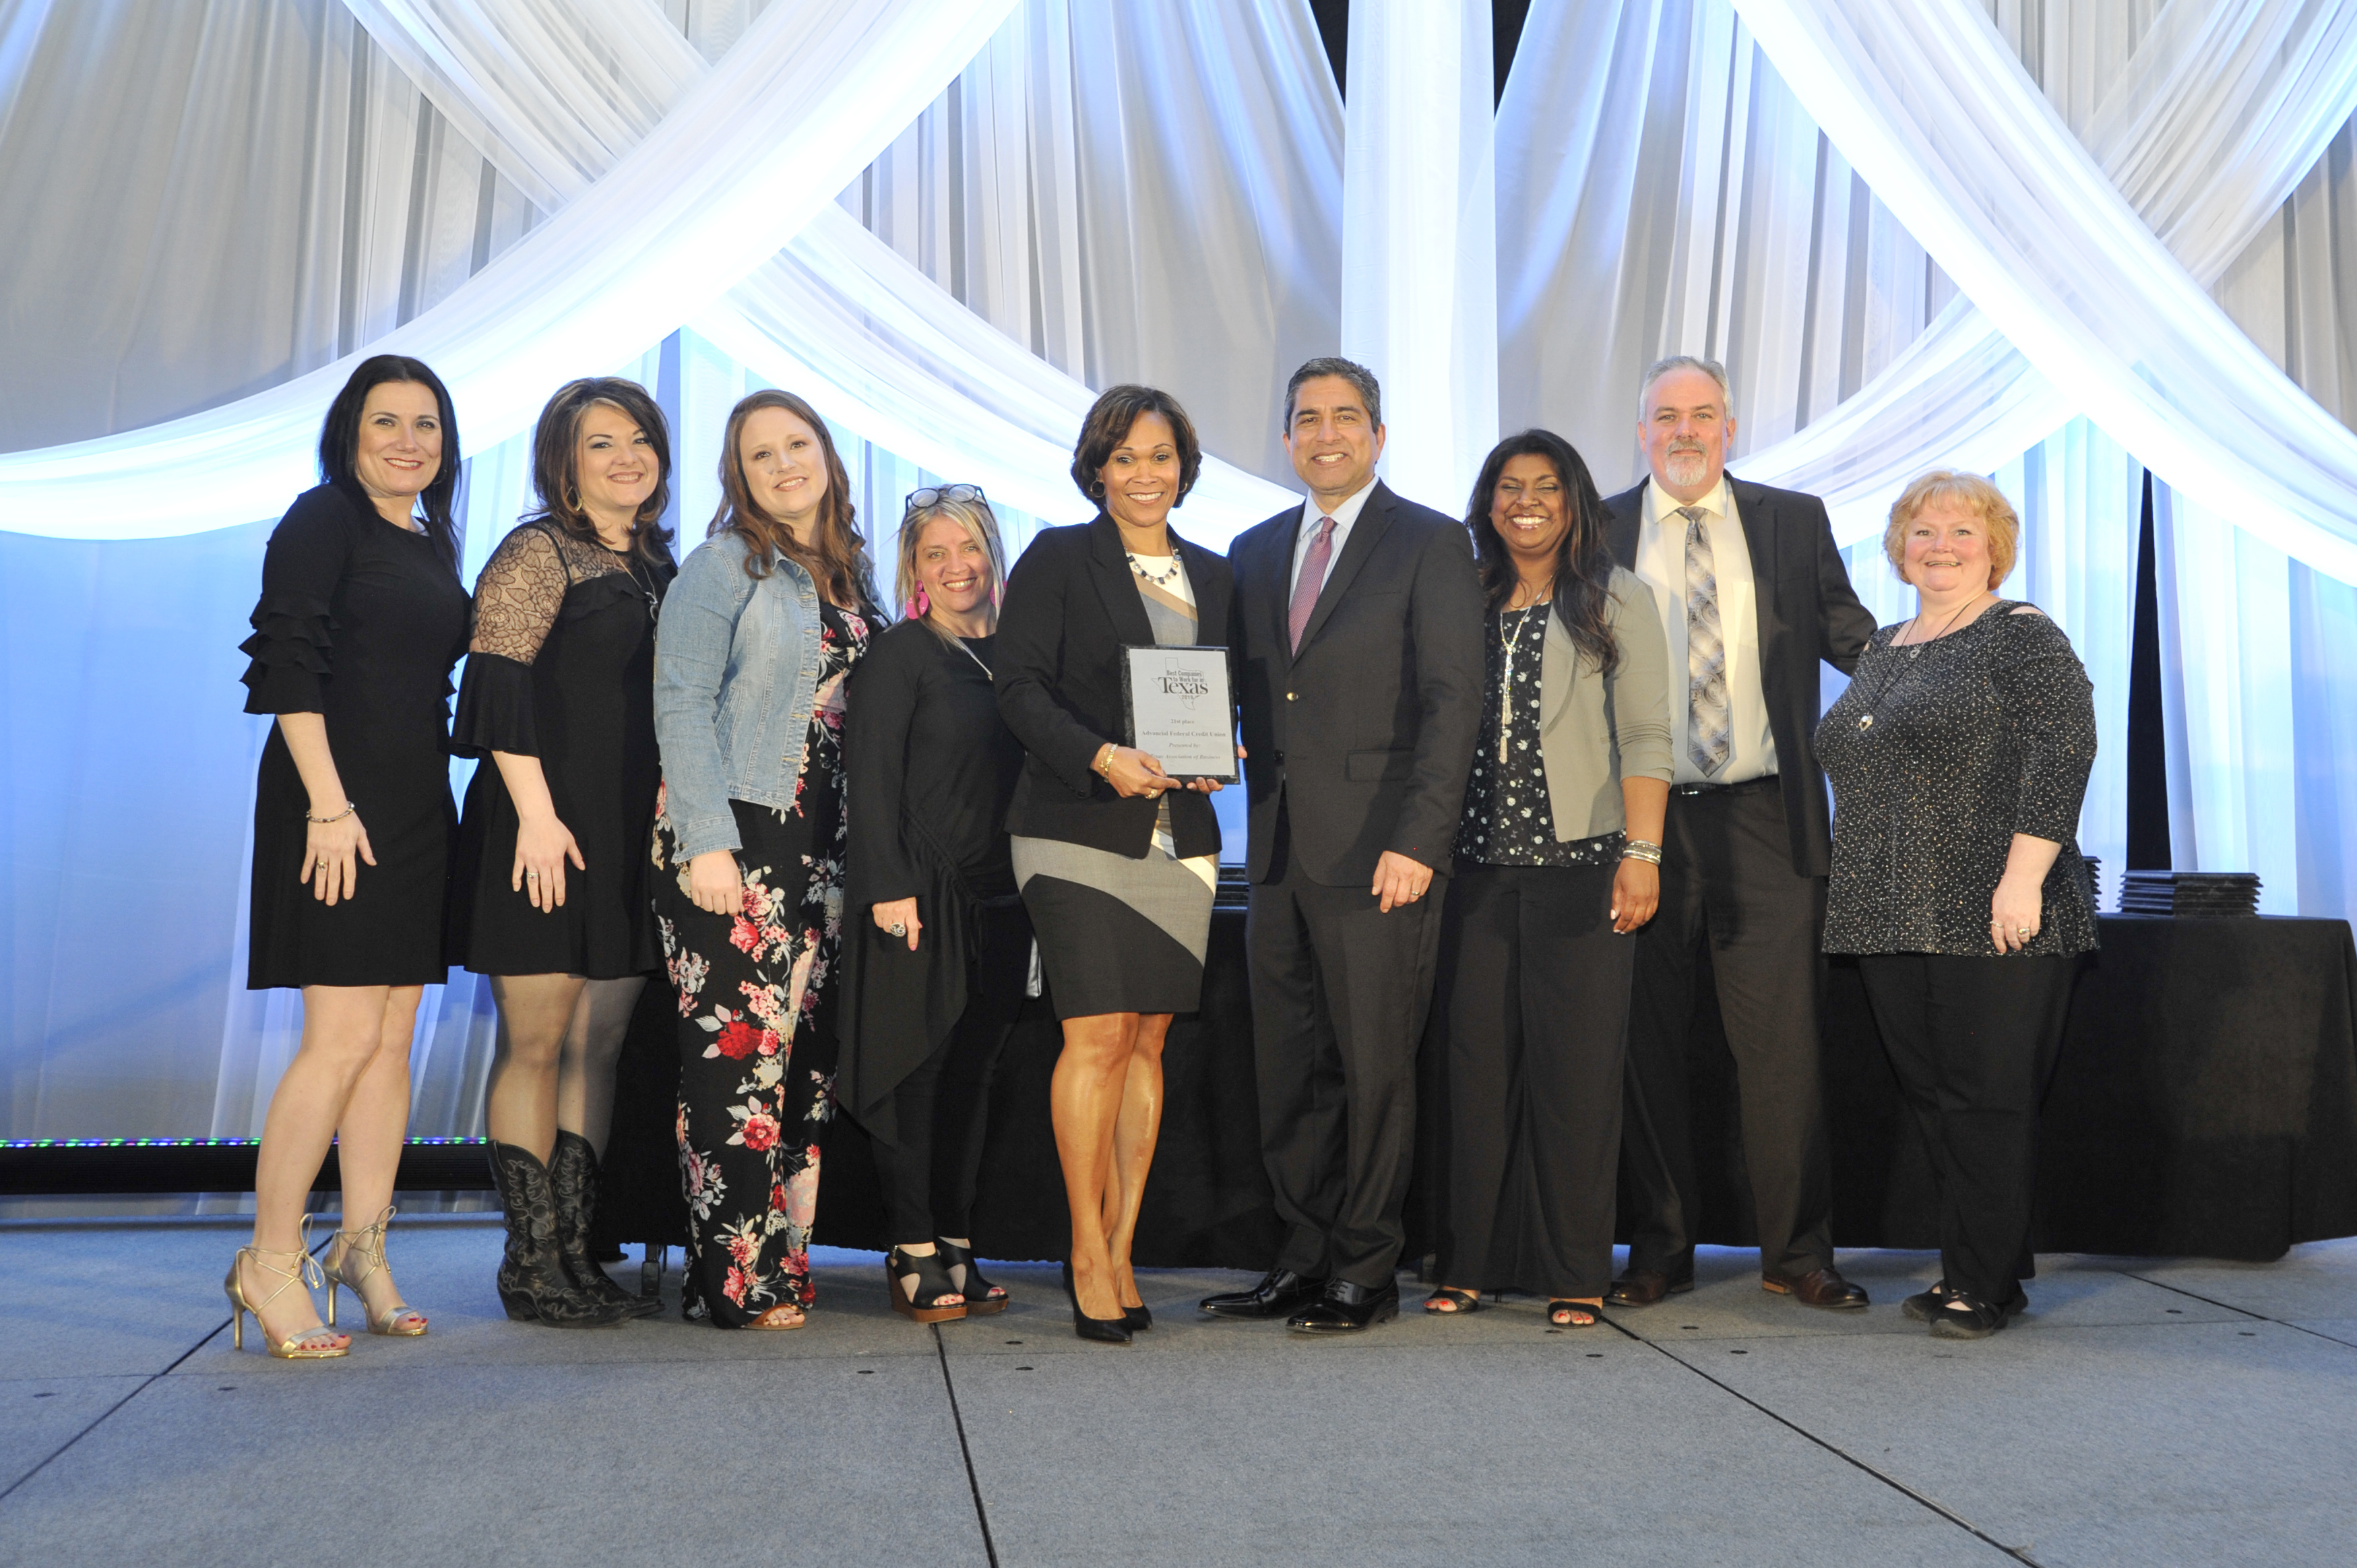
pixel 1508 820
pixel 1939 753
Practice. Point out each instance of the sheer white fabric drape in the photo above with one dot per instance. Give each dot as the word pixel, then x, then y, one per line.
pixel 807 98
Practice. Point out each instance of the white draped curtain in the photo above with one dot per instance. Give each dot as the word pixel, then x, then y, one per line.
pixel 1032 199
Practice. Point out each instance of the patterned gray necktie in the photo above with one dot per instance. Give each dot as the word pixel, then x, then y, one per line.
pixel 1710 728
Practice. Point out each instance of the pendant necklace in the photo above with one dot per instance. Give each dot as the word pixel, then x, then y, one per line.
pixel 1506 682
pixel 1866 720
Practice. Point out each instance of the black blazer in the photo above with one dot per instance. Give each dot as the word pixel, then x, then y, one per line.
pixel 1071 605
pixel 1372 728
pixel 1807 612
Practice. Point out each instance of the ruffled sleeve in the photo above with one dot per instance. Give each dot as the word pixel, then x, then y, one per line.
pixel 516 601
pixel 292 648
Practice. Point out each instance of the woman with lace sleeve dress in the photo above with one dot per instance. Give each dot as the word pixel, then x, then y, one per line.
pixel 759 634
pixel 553 880
pixel 361 619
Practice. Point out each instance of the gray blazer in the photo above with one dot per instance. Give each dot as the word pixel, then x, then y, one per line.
pixel 1595 731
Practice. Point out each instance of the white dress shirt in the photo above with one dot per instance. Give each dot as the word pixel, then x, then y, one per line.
pixel 1344 516
pixel 1662 567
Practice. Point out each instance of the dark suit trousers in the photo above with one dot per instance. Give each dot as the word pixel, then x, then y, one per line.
pixel 1340 993
pixel 1535 986
pixel 1727 880
pixel 1973 1042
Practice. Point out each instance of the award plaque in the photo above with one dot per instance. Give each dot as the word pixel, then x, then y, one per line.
pixel 1177 701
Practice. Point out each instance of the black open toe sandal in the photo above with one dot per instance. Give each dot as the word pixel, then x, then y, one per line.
pixel 982 1298
pixel 1969 1317
pixel 932 1299
pixel 1460 1302
pixel 1567 1306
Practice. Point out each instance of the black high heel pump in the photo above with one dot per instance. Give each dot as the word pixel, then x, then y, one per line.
pixel 1104 1330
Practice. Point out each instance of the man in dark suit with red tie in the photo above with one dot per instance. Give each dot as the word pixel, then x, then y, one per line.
pixel 1357 628
pixel 1753 595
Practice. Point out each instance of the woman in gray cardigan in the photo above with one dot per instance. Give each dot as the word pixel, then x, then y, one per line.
pixel 1557 860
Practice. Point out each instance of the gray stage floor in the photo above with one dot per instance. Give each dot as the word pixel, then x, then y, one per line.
pixel 2147 1411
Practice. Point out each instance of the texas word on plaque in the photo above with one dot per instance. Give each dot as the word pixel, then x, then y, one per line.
pixel 1179 710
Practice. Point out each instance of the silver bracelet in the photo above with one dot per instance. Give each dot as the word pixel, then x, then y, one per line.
pixel 350 807
pixel 1639 849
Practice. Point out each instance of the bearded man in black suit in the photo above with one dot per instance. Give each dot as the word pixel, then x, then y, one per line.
pixel 1753 594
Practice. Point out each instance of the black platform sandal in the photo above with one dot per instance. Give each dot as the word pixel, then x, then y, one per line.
pixel 1457 1302
pixel 932 1299
pixel 1925 1305
pixel 1568 1306
pixel 1969 1317
pixel 982 1298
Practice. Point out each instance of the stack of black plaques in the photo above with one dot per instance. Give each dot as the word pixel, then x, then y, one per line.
pixel 2094 881
pixel 2191 895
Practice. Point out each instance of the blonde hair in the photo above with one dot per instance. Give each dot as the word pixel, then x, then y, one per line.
pixel 980 525
pixel 1975 495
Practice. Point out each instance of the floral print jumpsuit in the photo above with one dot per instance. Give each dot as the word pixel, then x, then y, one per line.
pixel 757 1043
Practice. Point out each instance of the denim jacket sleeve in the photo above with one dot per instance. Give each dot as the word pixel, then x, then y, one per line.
pixel 693 641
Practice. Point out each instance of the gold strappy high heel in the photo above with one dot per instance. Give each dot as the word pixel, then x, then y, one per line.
pixel 368 1245
pixel 317 1343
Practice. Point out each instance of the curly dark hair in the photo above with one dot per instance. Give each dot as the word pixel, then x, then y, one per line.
pixel 340 445
pixel 1583 564
pixel 557 463
pixel 1107 426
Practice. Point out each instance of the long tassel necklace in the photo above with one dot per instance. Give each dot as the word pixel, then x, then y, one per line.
pixel 1513 644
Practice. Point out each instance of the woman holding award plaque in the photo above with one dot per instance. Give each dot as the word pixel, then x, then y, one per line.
pixel 1117 858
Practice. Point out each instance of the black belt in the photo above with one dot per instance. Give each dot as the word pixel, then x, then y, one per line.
pixel 1750 785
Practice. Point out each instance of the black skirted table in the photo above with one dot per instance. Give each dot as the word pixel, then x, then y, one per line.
pixel 2205 1104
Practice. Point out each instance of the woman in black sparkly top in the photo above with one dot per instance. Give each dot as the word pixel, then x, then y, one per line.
pixel 1556 863
pixel 1959 756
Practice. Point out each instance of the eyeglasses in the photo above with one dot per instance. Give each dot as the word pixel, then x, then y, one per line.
pixel 934 496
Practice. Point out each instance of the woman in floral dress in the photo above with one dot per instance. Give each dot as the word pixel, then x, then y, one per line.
pixel 766 621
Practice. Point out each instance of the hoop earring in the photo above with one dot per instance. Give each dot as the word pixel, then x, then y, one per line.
pixel 1096 491
pixel 572 498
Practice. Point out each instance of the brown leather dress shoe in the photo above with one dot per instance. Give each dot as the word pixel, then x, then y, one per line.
pixel 1820 1287
pixel 1643 1287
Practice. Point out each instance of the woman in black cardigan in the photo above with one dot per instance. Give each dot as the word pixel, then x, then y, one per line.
pixel 1117 860
pixel 933 974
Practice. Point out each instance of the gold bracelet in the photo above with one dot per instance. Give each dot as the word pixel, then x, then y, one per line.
pixel 1103 765
pixel 350 807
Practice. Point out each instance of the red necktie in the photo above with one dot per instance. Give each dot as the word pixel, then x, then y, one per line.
pixel 1313 578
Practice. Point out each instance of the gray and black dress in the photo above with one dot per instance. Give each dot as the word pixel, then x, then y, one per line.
pixel 1119 891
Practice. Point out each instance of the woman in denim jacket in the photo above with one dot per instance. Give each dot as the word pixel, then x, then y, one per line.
pixel 760 630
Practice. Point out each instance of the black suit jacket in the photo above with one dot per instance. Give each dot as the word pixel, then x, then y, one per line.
pixel 1071 607
pixel 1807 612
pixel 1371 730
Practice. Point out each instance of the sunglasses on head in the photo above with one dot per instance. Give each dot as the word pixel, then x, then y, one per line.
pixel 934 494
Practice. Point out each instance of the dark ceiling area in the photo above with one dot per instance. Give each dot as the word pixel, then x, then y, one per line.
pixel 1506 18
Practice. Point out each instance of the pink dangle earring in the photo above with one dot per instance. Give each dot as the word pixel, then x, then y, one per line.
pixel 920 605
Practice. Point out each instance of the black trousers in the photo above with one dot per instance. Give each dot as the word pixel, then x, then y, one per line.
pixel 1973 1042
pixel 1535 987
pixel 1727 881
pixel 1339 992
pixel 942 1110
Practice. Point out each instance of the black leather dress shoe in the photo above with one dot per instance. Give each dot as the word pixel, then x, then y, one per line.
pixel 1347 1308
pixel 1280 1294
pixel 1643 1287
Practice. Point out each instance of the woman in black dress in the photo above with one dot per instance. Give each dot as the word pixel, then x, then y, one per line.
pixel 1117 860
pixel 760 630
pixel 1959 758
pixel 935 962
pixel 552 879
pixel 361 619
